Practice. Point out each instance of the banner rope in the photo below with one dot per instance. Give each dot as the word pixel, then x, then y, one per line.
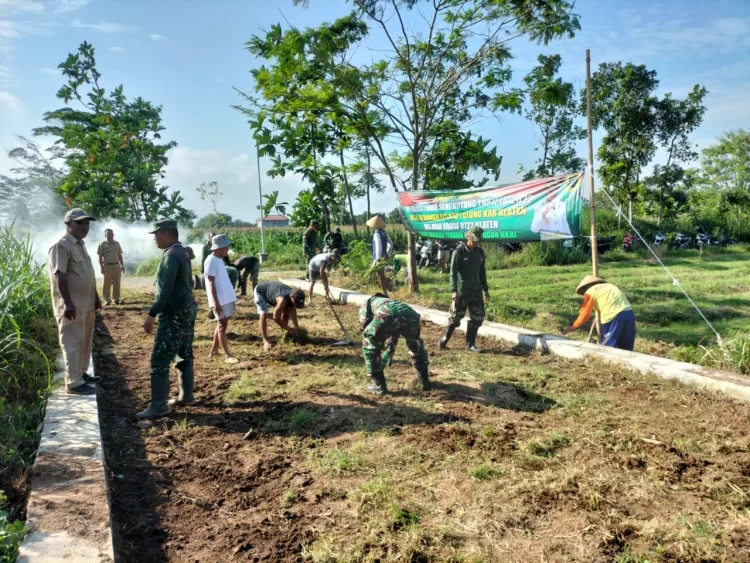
pixel 675 281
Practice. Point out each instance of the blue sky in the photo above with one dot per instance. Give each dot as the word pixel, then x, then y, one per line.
pixel 188 54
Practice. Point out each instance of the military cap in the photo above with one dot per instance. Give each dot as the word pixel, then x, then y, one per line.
pixel 315 223
pixel 77 214
pixel 163 224
pixel 475 233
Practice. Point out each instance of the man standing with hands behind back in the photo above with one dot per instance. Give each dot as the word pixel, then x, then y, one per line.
pixel 74 300
pixel 468 282
pixel 110 260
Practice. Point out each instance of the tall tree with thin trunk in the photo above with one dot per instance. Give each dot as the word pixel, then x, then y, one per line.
pixel 451 67
pixel 553 109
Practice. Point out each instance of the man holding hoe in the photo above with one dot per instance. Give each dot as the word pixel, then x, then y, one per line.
pixel 468 282
pixel 318 269
pixel 618 319
pixel 285 301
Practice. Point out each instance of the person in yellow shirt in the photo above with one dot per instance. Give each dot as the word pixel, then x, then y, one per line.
pixel 617 317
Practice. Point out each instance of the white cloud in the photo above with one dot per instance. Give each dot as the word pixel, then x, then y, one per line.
pixel 157 37
pixel 21 7
pixel 11 103
pixel 116 49
pixel 5 76
pixel 71 5
pixel 103 27
pixel 9 29
pixel 50 71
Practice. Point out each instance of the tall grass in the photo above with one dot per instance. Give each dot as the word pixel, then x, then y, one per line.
pixel 27 339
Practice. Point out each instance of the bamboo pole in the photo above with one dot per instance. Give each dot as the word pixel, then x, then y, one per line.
pixel 263 255
pixel 594 249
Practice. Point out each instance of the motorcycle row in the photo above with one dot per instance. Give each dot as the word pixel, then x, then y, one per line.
pixel 427 250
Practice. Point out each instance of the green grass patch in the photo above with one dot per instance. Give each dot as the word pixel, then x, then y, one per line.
pixel 548 447
pixel 485 472
pixel 242 389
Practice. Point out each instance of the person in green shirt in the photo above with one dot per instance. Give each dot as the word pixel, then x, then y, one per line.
pixel 176 310
pixel 468 281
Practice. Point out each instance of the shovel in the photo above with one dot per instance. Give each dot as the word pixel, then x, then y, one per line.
pixel 348 340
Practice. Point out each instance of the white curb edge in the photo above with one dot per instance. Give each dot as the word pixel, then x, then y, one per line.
pixel 732 385
pixel 68 513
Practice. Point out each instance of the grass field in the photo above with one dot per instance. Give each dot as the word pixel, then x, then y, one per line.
pixel 544 298
pixel 513 456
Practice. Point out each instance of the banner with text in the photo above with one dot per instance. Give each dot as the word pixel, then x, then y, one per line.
pixel 543 209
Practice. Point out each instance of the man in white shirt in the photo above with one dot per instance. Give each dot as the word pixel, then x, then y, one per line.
pixel 220 292
pixel 318 266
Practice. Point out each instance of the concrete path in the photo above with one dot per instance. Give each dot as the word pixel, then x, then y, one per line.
pixel 68 512
pixel 733 385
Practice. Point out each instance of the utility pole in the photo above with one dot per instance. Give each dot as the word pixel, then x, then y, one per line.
pixel 263 254
pixel 594 249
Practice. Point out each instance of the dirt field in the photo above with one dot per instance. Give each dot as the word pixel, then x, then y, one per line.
pixel 512 457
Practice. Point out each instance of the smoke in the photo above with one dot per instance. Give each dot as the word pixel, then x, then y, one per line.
pixel 137 245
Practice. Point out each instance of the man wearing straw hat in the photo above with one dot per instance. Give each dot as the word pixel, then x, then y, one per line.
pixel 380 245
pixel 468 282
pixel 618 319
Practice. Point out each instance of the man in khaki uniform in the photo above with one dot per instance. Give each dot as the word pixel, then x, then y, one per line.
pixel 110 260
pixel 74 300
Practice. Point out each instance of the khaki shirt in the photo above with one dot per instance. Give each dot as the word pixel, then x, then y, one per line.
pixel 69 255
pixel 110 252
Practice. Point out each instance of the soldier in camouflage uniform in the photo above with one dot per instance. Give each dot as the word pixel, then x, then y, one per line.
pixel 384 320
pixel 468 282
pixel 310 242
pixel 248 267
pixel 176 309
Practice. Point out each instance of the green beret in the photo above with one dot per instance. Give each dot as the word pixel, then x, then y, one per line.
pixel 163 224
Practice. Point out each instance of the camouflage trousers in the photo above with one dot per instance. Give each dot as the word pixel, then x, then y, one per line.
pixel 174 338
pixel 381 337
pixel 309 252
pixel 251 273
pixel 475 307
pixel 233 274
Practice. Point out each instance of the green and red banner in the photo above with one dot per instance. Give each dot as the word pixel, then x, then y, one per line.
pixel 543 209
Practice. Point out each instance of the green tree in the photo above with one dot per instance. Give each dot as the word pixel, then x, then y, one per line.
pixel 272 202
pixel 726 166
pixel 29 194
pixel 114 158
pixel 444 74
pixel 367 179
pixel 214 221
pixel 210 194
pixel 675 120
pixel 306 208
pixel 553 110
pixel 622 102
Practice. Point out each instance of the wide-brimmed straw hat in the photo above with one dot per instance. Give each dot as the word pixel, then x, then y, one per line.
pixel 587 282
pixel 376 222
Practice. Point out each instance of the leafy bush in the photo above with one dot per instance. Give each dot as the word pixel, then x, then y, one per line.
pixel 546 253
pixel 148 267
pixel 11 534
pixel 27 339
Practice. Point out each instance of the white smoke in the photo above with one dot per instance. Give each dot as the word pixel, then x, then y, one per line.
pixel 137 245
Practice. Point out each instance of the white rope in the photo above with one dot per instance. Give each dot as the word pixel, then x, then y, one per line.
pixel 675 281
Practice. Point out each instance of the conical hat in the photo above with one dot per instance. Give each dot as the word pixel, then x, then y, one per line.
pixel 376 222
pixel 587 282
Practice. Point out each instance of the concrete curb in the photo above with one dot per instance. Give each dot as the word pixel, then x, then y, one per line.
pixel 68 512
pixel 733 385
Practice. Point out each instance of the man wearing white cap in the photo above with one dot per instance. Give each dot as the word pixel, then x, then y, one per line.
pixel 74 301
pixel 220 292
pixel 618 319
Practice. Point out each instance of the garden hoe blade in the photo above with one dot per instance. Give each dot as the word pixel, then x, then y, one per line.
pixel 348 340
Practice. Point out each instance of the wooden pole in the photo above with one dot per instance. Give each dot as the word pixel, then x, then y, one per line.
pixel 594 250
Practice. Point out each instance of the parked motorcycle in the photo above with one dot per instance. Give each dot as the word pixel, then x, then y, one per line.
pixel 660 238
pixel 680 240
pixel 628 242
pixel 725 241
pixel 511 247
pixel 427 252
pixel 603 244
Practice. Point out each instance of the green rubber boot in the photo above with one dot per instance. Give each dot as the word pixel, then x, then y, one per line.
pixel 185 397
pixel 378 386
pixel 159 396
pixel 446 337
pixel 471 337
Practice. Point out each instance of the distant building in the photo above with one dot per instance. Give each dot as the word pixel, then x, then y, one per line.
pixel 273 221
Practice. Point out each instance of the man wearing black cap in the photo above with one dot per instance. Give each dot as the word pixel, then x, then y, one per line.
pixel 176 309
pixel 286 302
pixel 74 300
